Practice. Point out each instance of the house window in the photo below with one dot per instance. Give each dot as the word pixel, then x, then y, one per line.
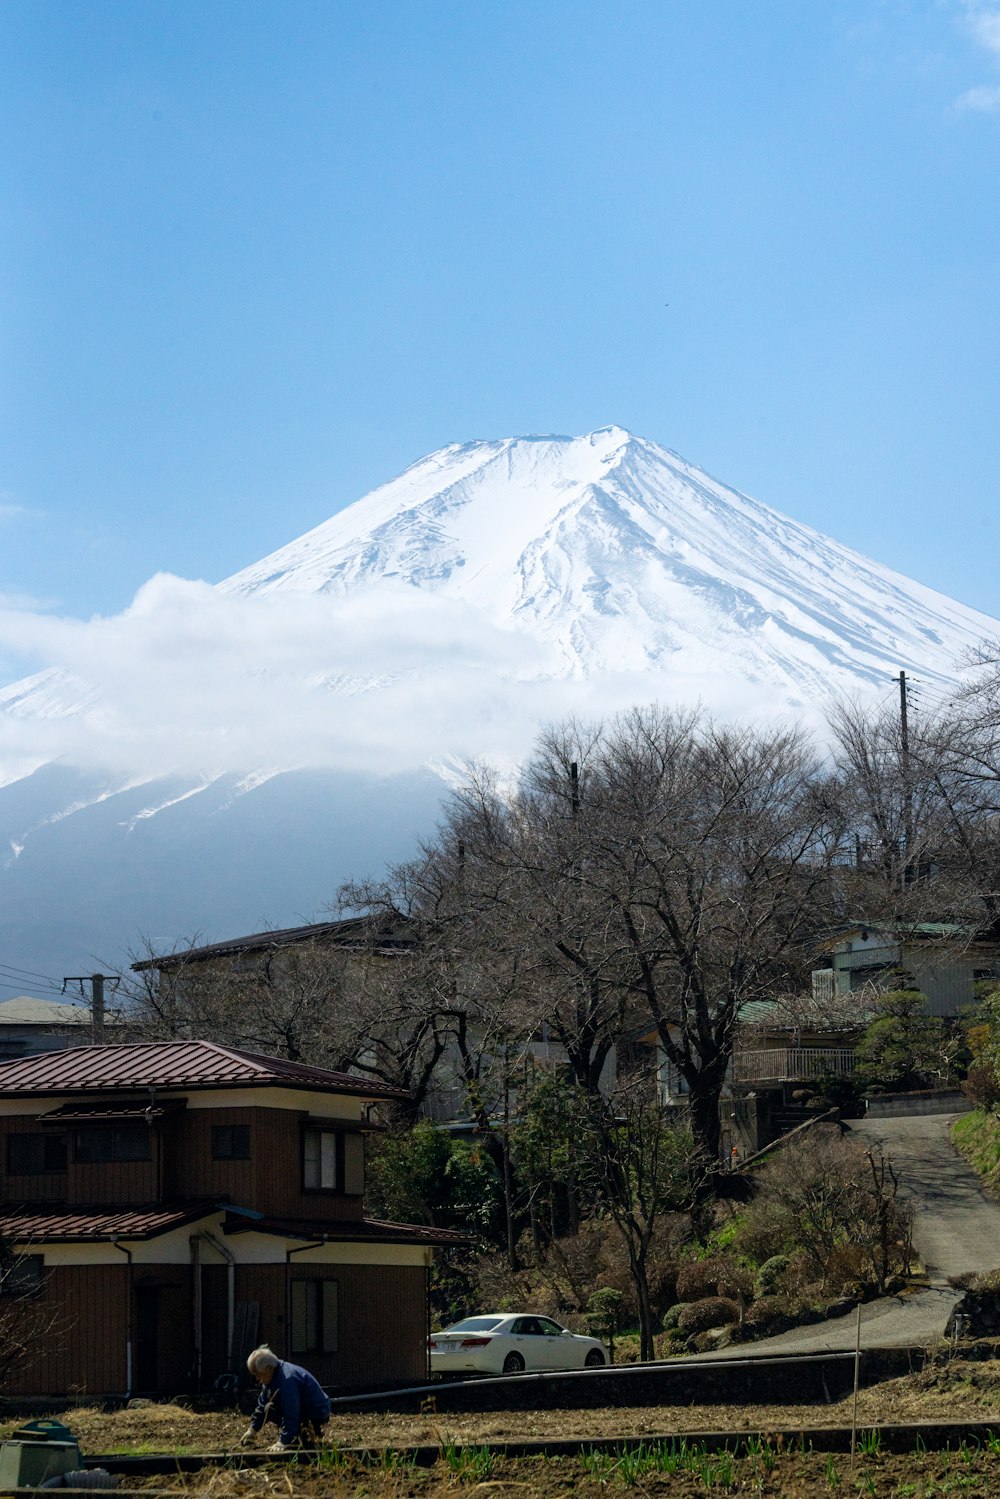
pixel 314 1316
pixel 35 1154
pixel 23 1276
pixel 98 1146
pixel 320 1160
pixel 230 1142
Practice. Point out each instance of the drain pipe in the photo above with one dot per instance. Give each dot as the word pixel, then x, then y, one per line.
pixel 128 1320
pixel 195 1243
pixel 230 1259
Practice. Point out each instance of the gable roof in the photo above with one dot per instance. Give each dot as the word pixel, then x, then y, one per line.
pixel 172 1064
pixel 353 934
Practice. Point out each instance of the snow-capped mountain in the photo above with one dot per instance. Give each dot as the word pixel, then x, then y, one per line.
pixel 618 556
pixel 218 758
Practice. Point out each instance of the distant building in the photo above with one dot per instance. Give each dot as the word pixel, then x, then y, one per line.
pixel 30 1025
pixel 944 960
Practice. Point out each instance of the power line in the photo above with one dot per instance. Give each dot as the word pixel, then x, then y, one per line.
pixel 29 973
pixel 15 978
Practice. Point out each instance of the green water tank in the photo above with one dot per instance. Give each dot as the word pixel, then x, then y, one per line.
pixel 43 1431
pixel 27 1464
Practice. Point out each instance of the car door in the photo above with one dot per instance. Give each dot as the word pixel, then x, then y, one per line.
pixel 558 1352
pixel 527 1338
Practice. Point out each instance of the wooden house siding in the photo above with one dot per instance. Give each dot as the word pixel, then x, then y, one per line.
pixel 140 1279
pixel 85 1353
pixel 50 1186
pixel 382 1319
pixel 182 1165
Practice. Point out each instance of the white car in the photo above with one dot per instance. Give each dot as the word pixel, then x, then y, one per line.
pixel 510 1343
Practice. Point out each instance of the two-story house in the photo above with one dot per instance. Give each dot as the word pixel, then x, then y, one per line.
pixel 174 1203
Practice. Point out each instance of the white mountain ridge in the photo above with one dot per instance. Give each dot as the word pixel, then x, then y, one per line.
pixel 622 557
pixel 491 586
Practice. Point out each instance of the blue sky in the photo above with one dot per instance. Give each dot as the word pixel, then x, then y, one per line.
pixel 258 255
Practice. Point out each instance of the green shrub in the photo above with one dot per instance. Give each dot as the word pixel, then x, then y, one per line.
pixel 765 1228
pixel 672 1316
pixel 772 1277
pixel 708 1313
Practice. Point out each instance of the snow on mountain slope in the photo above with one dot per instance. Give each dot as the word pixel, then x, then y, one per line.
pixel 625 558
pixel 215 759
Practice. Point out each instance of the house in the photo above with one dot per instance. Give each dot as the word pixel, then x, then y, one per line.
pixel 310 972
pixel 31 1025
pixel 945 960
pixel 275 951
pixel 171 1204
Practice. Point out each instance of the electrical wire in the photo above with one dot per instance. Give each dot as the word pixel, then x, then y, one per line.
pixel 29 972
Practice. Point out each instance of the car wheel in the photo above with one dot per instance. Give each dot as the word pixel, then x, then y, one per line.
pixel 594 1359
pixel 513 1364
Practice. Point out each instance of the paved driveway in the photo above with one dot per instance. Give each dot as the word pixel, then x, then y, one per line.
pixel 955 1228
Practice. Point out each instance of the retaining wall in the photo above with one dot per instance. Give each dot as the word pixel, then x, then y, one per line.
pixel 896 1105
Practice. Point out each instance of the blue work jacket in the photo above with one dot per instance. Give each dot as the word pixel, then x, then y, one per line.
pixel 294 1396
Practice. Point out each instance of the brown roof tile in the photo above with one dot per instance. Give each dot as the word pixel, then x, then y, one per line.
pixel 31 1226
pixel 172 1064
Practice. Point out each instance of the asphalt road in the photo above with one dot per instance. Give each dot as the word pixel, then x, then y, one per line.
pixel 955 1229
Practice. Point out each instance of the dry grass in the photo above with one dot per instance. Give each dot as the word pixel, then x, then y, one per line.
pixel 961 1389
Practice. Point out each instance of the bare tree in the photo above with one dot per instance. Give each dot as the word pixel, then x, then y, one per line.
pixel 638 1160
pixel 658 869
pixel 29 1318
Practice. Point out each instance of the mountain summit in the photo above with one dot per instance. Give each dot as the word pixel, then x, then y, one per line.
pixel 619 556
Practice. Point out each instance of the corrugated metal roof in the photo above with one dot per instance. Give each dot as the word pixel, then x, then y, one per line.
pixel 100 1223
pixel 358 1231
pixel 172 1064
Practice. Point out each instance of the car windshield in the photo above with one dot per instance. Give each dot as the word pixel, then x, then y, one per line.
pixel 475 1324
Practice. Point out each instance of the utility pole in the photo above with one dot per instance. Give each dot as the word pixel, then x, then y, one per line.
pixel 96 982
pixel 904 766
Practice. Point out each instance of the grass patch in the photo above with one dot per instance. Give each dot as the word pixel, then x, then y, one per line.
pixel 977 1138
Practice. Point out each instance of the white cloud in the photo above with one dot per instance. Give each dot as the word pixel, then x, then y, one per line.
pixel 985 98
pixel 192 680
pixel 983 24
pixel 985 27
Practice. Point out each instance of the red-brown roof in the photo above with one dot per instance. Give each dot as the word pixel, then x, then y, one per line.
pixel 28 1226
pixel 104 1224
pixel 99 1113
pixel 352 1230
pixel 172 1064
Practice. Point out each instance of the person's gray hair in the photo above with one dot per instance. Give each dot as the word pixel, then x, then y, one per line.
pixel 262 1361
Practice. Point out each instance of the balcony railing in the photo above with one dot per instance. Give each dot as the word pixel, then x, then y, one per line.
pixel 791 1064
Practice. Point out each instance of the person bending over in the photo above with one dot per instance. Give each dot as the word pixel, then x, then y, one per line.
pixel 290 1397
